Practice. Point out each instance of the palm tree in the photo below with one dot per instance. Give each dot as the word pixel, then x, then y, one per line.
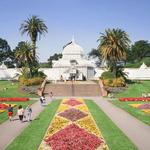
pixel 113 46
pixel 24 54
pixel 34 27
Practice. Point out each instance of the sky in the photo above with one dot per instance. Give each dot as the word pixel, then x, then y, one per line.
pixel 83 19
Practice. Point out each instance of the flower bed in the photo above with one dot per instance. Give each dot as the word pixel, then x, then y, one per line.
pixel 73 128
pixel 134 99
pixel 4 106
pixel 143 107
pixel 13 99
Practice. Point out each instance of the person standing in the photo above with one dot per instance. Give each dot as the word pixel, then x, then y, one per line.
pixel 28 112
pixel 20 113
pixel 42 100
pixel 10 112
pixel 51 95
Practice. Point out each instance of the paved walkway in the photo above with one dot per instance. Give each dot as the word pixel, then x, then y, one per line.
pixel 136 131
pixel 10 130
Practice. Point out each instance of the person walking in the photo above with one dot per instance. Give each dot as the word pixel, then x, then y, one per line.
pixel 20 113
pixel 10 112
pixel 28 113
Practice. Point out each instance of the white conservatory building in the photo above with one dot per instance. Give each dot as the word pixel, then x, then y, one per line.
pixel 74 64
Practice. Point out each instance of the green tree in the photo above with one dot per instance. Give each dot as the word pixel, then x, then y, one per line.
pixel 34 27
pixel 95 54
pixel 140 49
pixel 113 46
pixel 6 55
pixel 24 54
pixel 53 57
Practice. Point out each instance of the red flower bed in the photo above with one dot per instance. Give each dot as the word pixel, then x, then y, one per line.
pixel 14 99
pixel 3 106
pixel 72 102
pixel 73 138
pixel 135 99
pixel 73 114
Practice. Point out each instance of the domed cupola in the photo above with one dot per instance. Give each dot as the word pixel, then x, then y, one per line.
pixel 72 50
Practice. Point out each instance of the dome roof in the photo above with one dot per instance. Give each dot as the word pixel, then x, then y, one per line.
pixel 72 49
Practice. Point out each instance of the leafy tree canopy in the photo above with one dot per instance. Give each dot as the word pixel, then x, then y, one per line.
pixel 140 49
pixel 6 55
pixel 53 57
pixel 95 54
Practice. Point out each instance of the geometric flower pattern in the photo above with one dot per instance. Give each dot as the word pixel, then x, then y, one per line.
pixel 73 128
pixel 72 102
pixel 72 114
pixel 4 106
pixel 67 139
pixel 143 107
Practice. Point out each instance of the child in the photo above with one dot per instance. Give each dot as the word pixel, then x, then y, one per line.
pixel 20 113
pixel 10 112
pixel 28 112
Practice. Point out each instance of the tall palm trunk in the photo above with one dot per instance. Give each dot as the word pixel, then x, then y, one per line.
pixel 34 49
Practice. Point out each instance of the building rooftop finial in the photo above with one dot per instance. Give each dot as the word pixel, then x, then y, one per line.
pixel 73 41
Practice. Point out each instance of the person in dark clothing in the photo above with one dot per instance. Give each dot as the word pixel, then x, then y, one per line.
pixel 10 112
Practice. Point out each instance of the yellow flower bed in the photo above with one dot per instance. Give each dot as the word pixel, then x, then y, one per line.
pixel 135 105
pixel 146 111
pixel 82 108
pixel 62 108
pixel 88 124
pixel 57 124
pixel 2 110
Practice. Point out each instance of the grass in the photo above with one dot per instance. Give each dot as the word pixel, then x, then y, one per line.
pixel 12 90
pixel 145 118
pixel 32 136
pixel 4 117
pixel 115 138
pixel 136 89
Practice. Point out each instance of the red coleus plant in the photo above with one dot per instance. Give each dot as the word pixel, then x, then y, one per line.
pixel 72 102
pixel 3 106
pixel 73 138
pixel 15 99
pixel 135 99
pixel 73 114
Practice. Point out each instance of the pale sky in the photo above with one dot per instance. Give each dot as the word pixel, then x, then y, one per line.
pixel 84 19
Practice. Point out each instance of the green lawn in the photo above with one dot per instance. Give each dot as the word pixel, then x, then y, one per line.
pixel 133 111
pixel 4 117
pixel 136 89
pixel 115 138
pixel 32 136
pixel 12 90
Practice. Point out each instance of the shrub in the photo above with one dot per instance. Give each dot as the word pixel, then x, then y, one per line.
pixel 118 82
pixel 31 81
pixel 107 75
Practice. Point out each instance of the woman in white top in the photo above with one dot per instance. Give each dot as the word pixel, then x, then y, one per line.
pixel 20 113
